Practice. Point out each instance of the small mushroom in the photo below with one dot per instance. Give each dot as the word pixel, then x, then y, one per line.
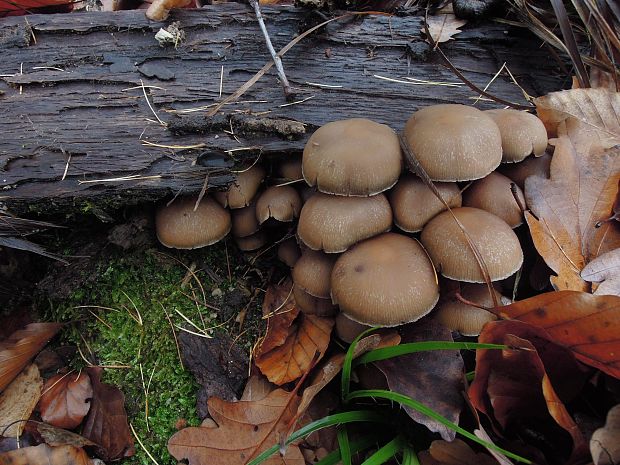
pixel 253 242
pixel 387 280
pixel 312 305
pixel 290 168
pixel 179 226
pixel 605 442
pixel 333 223
pixel 531 166
pixel 454 142
pixel 494 194
pixel 312 273
pixel 243 189
pixel 282 203
pixel 452 255
pixel 466 319
pixel 414 203
pixel 354 157
pixel 244 222
pixel 522 134
pixel 348 329
pixel 288 252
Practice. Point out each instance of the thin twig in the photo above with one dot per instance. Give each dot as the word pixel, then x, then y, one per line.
pixel 288 93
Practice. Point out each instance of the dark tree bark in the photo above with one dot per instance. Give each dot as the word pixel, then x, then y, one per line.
pixel 75 116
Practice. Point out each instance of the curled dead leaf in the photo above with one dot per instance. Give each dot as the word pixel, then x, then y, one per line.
pixel 160 9
pixel 65 400
pixel 45 455
pixel 605 270
pixel 18 401
pixel 605 443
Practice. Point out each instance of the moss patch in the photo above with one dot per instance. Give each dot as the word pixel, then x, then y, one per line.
pixel 122 319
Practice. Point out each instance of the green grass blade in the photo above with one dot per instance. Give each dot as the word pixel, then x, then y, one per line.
pixel 345 385
pixel 410 457
pixel 414 404
pixel 330 420
pixel 345 447
pixel 356 446
pixel 386 452
pixel 470 375
pixel 412 347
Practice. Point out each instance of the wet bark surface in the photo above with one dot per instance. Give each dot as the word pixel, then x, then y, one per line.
pixel 77 128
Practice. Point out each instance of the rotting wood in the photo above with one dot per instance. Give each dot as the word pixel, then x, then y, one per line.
pixel 75 114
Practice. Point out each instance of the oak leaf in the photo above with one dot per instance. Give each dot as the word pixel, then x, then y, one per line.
pixel 21 347
pixel 588 325
pixel 45 455
pixel 18 401
pixel 443 27
pixel 605 270
pixel 65 400
pixel 568 224
pixel 106 423
pixel 513 384
pixel 294 341
pixel 245 429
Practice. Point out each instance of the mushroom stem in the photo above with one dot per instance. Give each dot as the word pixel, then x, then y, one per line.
pixel 288 93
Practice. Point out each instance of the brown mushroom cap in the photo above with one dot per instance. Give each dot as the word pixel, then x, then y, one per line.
pixel 414 203
pixel 522 134
pixel 243 189
pixel 312 273
pixel 531 166
pixel 333 223
pixel 387 280
pixel 467 320
pixel 282 203
pixel 253 242
pixel 493 193
pixel 454 142
pixel 354 157
pixel 448 247
pixel 348 329
pixel 244 222
pixel 178 226
pixel 288 252
pixel 290 168
pixel 312 305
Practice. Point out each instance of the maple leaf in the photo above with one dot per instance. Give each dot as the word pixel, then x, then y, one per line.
pixel 568 224
pixel 245 429
pixel 106 424
pixel 45 455
pixel 293 339
pixel 588 325
pixel 18 401
pixel 64 402
pixel 21 347
pixel 443 27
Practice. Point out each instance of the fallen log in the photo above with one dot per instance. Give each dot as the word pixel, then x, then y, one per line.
pixel 82 94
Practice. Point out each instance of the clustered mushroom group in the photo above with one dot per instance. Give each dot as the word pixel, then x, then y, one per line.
pixel 371 236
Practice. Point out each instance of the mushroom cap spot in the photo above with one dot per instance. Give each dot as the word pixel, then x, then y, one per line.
pixel 531 166
pixel 454 142
pixel 387 280
pixel 243 189
pixel 334 223
pixel 253 242
pixel 312 305
pixel 290 168
pixel 288 252
pixel 348 329
pixel 493 194
pixel 244 222
pixel 282 203
pixel 522 134
pixel 354 157
pixel 414 203
pixel 467 320
pixel 178 226
pixel 447 245
pixel 312 273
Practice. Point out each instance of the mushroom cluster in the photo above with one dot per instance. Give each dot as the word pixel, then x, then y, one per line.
pixel 371 238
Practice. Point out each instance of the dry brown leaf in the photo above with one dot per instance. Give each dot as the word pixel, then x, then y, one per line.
pixel 21 347
pixel 605 443
pixel 245 429
pixel 443 27
pixel 59 437
pixel 45 455
pixel 18 401
pixel 588 325
pixel 569 228
pixel 605 270
pixel 458 452
pixel 160 9
pixel 106 424
pixel 294 341
pixel 65 400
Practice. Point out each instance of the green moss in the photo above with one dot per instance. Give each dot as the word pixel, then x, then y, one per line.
pixel 130 297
